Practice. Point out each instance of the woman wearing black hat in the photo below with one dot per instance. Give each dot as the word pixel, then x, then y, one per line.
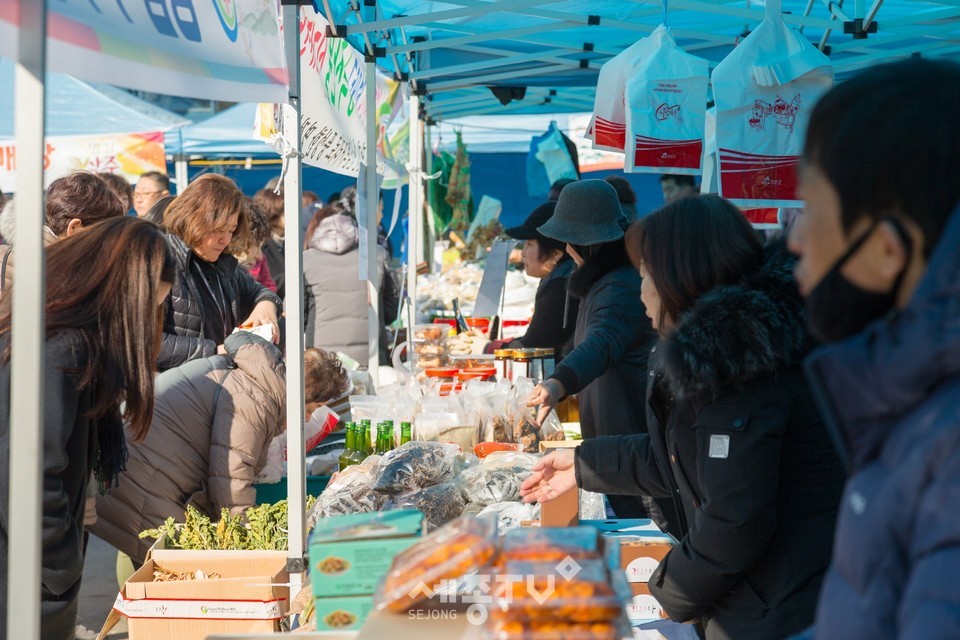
pixel 554 312
pixel 607 367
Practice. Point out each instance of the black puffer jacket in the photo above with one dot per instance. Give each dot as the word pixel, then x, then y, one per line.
pixel 184 338
pixel 735 437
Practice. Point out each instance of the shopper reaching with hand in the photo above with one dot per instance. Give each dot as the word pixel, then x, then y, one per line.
pixel 212 294
pixel 607 366
pixel 734 434
pixel 104 290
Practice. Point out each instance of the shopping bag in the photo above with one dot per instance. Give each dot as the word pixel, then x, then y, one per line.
pixel 764 92
pixel 609 111
pixel 666 101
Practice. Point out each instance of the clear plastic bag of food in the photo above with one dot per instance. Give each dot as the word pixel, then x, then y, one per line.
pixel 494 415
pixel 592 506
pixel 415 465
pixel 351 492
pixel 439 504
pixel 510 515
pixel 497 478
pixel 523 418
pixel 581 592
pixel 465 545
pixel 368 408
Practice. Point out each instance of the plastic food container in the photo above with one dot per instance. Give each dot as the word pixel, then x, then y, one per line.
pixel 483 324
pixel 582 591
pixel 555 630
pixel 551 544
pixel 449 553
pixel 445 374
pixel 428 332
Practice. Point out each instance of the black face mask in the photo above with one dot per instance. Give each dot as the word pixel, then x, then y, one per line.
pixel 838 309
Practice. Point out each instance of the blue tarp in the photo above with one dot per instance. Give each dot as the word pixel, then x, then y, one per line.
pixel 76 108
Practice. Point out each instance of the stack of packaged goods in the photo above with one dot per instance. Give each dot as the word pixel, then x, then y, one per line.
pixel 428 351
pixel 349 556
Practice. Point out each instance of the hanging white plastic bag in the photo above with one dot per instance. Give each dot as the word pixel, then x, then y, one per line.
pixel 666 100
pixel 609 124
pixel 764 92
pixel 552 152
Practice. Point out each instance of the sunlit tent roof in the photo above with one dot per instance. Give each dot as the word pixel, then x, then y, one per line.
pixel 543 56
pixel 229 134
pixel 75 107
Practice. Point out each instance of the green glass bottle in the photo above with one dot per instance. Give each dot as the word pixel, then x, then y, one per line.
pixel 350 443
pixel 367 440
pixel 381 439
pixel 406 433
pixel 361 445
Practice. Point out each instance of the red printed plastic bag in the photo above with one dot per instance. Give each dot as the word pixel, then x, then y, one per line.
pixel 764 92
pixel 666 101
pixel 609 125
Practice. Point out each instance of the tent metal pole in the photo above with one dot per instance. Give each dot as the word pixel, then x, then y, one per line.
pixel 372 201
pixel 181 173
pixel 415 215
pixel 25 551
pixel 293 274
pixel 449 14
pixel 431 225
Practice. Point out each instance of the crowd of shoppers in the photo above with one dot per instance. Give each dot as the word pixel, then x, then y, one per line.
pixel 787 410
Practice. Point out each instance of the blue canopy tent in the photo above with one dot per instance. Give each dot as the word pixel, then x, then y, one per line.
pixel 228 134
pixel 75 107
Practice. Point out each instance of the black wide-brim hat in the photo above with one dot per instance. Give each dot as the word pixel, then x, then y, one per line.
pixel 528 230
pixel 588 212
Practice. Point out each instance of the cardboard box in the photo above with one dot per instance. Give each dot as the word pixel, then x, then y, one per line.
pixel 349 555
pixel 563 511
pixel 549 445
pixel 342 614
pixel 643 607
pixel 641 555
pixel 249 597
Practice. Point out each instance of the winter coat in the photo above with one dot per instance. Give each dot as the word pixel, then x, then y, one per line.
pixel 184 338
pixel 69 450
pixel 546 329
pixel 335 299
pixel 891 397
pixel 212 424
pixel 736 438
pixel 273 252
pixel 607 367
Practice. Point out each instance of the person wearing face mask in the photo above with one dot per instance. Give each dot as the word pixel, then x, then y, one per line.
pixel 734 435
pixel 554 312
pixel 880 269
pixel 212 295
pixel 607 367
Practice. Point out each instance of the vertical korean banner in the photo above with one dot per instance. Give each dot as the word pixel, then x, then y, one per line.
pixel 334 106
pixel 127 155
pixel 215 49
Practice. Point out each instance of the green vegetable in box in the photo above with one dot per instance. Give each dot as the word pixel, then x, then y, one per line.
pixel 260 528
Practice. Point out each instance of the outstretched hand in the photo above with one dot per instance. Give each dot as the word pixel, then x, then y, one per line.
pixel 546 395
pixel 553 475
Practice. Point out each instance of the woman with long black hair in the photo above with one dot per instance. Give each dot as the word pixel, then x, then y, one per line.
pixel 104 293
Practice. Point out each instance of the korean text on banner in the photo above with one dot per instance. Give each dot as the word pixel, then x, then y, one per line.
pixel 334 108
pixel 215 49
pixel 127 155
pixel 666 101
pixel 764 92
pixel 609 125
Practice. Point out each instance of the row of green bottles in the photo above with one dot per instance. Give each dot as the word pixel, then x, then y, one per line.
pixel 358 443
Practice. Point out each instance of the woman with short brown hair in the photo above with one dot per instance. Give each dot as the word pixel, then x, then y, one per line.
pixel 212 294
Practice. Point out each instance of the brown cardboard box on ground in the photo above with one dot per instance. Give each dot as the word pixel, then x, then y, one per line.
pixel 247 598
pixel 549 445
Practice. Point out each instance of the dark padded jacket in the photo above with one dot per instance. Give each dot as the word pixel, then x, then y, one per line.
pixel 184 338
pixel 891 396
pixel 735 437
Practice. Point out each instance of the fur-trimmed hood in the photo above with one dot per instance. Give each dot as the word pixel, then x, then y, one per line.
pixel 739 333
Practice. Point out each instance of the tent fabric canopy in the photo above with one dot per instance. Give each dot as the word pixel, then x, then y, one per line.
pixel 455 50
pixel 75 107
pixel 229 134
